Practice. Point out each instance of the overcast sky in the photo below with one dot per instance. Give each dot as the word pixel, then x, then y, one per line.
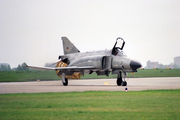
pixel 30 30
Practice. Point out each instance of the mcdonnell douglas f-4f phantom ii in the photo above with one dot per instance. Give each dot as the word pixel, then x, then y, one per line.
pixel 73 63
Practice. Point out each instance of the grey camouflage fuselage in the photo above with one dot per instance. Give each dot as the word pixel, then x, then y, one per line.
pixel 73 63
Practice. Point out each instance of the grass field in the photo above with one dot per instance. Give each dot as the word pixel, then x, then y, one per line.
pixel 142 73
pixel 161 104
pixel 15 76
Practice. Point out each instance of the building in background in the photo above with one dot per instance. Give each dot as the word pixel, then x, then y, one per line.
pixel 151 65
pixel 177 62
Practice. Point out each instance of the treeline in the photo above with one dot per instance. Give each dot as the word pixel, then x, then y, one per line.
pixel 20 67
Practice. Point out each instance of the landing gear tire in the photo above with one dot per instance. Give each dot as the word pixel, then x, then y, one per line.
pixel 124 83
pixel 119 81
pixel 65 83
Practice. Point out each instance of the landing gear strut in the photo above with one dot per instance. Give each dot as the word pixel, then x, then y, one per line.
pixel 120 81
pixel 64 80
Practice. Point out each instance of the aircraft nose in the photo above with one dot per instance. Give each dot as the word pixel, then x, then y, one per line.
pixel 135 65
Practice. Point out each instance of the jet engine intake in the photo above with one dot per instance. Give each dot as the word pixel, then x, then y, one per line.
pixel 106 62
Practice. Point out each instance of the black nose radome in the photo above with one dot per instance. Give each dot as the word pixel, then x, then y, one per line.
pixel 135 65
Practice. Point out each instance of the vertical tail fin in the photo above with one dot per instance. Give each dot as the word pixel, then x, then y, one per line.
pixel 68 46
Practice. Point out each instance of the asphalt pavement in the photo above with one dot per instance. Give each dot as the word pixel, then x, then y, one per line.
pixel 133 84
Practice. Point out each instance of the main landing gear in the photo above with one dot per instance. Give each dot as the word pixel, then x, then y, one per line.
pixel 120 81
pixel 64 80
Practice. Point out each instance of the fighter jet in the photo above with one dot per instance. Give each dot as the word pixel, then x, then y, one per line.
pixel 73 64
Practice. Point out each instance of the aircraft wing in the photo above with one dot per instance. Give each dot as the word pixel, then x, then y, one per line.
pixel 61 68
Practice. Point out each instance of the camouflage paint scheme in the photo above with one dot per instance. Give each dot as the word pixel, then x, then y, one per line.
pixel 73 63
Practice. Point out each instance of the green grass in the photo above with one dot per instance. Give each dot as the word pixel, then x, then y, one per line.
pixel 16 76
pixel 142 73
pixel 156 73
pixel 162 104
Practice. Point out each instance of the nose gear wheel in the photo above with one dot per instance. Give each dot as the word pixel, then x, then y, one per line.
pixel 120 81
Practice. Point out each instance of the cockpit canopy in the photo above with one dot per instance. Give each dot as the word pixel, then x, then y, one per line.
pixel 118 50
pixel 121 53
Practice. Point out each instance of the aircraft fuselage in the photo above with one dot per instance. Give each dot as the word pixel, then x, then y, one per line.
pixel 73 63
pixel 103 60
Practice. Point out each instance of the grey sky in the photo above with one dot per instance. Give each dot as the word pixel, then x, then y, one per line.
pixel 30 30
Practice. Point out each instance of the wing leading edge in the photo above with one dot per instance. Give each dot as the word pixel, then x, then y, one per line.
pixel 61 68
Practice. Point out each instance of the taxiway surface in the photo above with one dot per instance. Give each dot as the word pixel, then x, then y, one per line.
pixel 134 84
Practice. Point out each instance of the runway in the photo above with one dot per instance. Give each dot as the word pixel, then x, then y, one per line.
pixel 134 84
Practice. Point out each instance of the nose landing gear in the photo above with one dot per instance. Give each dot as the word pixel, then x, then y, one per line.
pixel 120 81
